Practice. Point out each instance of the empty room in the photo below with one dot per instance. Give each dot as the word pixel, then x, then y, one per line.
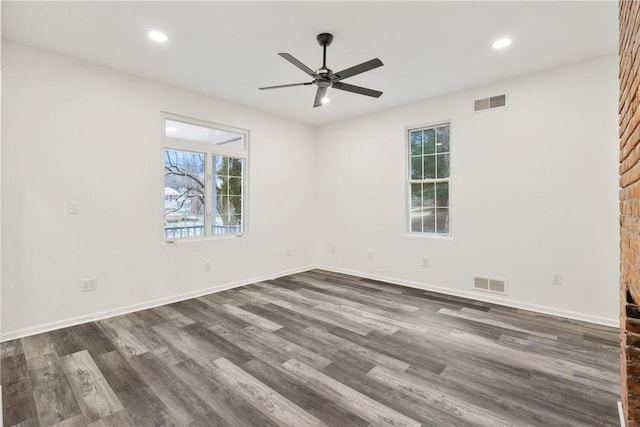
pixel 320 213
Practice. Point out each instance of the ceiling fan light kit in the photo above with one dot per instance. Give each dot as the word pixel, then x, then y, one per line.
pixel 325 78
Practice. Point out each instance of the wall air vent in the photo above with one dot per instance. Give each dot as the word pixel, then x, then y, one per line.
pixel 490 103
pixel 487 284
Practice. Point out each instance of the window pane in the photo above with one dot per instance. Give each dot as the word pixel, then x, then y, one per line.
pixel 443 165
pixel 193 132
pixel 428 195
pixel 227 195
pixel 235 186
pixel 429 141
pixel 416 168
pixel 428 220
pixel 416 143
pixel 416 195
pixel 235 167
pixel 442 215
pixel 222 165
pixel 416 223
pixel 442 139
pixel 183 194
pixel 442 194
pixel 429 166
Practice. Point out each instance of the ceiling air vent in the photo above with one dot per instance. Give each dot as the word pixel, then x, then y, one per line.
pixel 490 103
pixel 487 284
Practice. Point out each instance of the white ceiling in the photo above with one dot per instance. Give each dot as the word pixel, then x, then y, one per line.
pixel 229 49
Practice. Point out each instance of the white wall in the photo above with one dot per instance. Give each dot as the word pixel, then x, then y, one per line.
pixel 533 191
pixel 75 131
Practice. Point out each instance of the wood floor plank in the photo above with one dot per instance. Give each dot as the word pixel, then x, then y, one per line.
pixel 229 406
pixel 66 341
pixel 351 347
pixel 407 384
pixel 14 368
pixel 18 404
pixel 52 393
pixel 217 345
pixel 287 384
pixel 186 345
pixel 93 393
pixel 11 348
pixel 37 345
pixel 251 318
pixel 351 399
pixel 141 405
pixel 93 339
pixel 469 315
pixel 75 421
pixel 183 404
pixel 275 314
pixel 308 311
pixel 359 296
pixel 117 329
pixel 292 349
pixel 171 314
pixel 429 414
pixel 265 399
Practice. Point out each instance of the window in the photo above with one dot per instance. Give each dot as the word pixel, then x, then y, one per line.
pixel 204 178
pixel 428 179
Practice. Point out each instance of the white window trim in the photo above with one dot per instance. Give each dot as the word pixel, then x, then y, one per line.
pixel 407 186
pixel 209 150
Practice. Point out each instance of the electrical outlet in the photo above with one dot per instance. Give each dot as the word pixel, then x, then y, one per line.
pixel 288 252
pixel 73 207
pixel 425 262
pixel 207 266
pixel 370 254
pixel 90 284
pixel 333 249
pixel 556 279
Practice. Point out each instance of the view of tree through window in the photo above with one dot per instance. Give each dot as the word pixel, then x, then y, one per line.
pixel 228 197
pixel 184 199
pixel 204 170
pixel 429 158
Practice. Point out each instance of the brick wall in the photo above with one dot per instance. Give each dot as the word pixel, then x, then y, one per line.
pixel 630 208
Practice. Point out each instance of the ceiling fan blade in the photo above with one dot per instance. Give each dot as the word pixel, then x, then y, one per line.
pixel 290 85
pixel 357 89
pixel 319 95
pixel 298 64
pixel 357 69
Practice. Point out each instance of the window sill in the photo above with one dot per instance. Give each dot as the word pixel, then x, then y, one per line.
pixel 201 239
pixel 430 236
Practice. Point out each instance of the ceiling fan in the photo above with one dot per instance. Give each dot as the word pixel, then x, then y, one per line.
pixel 324 78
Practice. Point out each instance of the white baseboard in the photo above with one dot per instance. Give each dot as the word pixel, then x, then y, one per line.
pixel 20 333
pixel 64 323
pixel 481 297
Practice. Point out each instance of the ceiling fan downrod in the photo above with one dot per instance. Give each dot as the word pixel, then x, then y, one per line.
pixel 324 39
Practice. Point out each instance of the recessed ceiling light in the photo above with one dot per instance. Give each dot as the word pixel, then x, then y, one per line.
pixel 325 100
pixel 171 128
pixel 502 43
pixel 158 36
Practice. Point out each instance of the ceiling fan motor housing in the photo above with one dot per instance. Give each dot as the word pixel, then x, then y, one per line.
pixel 324 39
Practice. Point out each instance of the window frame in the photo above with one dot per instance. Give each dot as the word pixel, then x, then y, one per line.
pixel 209 150
pixel 409 181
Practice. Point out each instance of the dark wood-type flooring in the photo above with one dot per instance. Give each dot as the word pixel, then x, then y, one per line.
pixel 316 349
